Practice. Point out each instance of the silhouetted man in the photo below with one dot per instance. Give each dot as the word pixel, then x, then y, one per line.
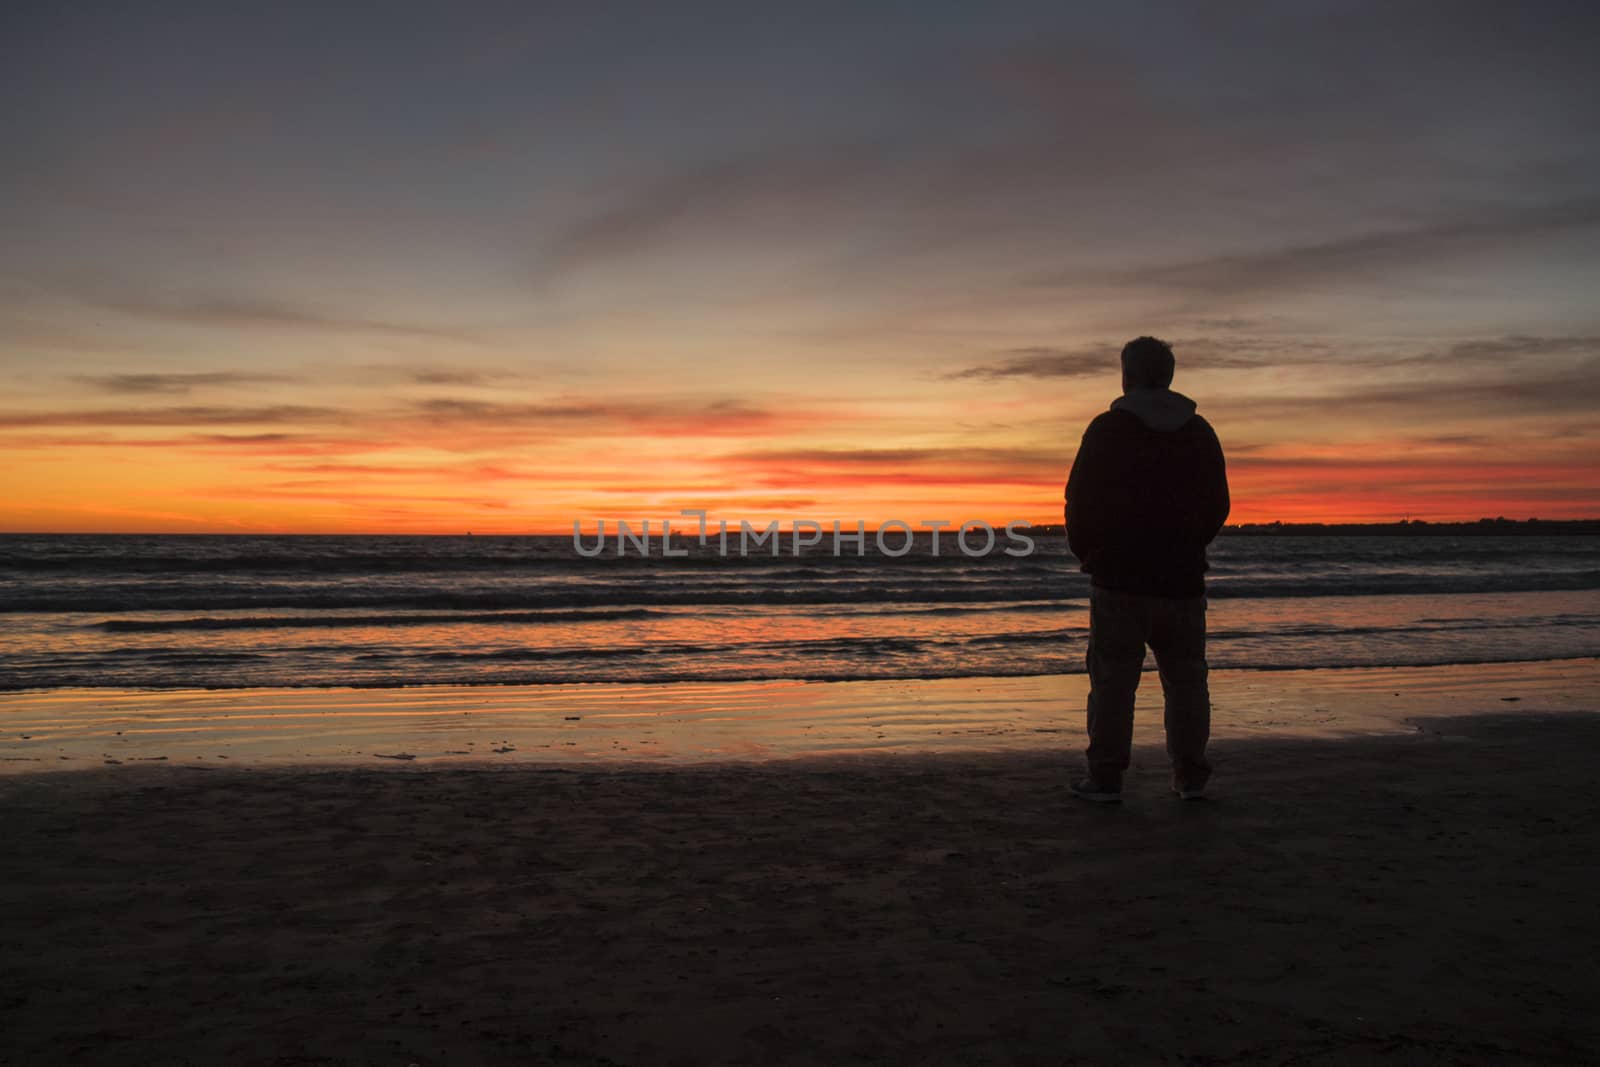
pixel 1147 493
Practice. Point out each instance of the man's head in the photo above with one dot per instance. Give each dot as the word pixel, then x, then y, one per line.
pixel 1146 364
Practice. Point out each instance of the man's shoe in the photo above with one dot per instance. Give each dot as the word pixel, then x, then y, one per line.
pixel 1195 793
pixel 1092 791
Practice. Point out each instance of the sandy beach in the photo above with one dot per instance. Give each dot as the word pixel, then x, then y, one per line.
pixel 1420 895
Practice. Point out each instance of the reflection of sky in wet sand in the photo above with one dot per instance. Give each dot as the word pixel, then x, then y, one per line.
pixel 695 722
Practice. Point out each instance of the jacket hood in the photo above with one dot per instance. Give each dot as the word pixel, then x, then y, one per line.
pixel 1159 409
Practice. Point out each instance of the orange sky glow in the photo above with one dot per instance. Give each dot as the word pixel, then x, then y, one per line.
pixel 446 278
pixel 380 472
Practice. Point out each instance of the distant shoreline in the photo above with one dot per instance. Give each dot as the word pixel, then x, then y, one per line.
pixel 1422 528
pixel 1411 528
pixel 1404 528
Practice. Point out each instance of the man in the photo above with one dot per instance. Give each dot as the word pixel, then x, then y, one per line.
pixel 1147 493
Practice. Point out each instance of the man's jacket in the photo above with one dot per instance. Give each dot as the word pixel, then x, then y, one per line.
pixel 1147 493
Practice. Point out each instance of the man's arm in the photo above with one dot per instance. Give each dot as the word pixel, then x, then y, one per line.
pixel 1084 499
pixel 1217 502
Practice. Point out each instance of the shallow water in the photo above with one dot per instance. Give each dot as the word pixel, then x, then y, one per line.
pixel 680 723
pixel 181 612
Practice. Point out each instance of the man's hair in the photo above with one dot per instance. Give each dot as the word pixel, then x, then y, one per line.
pixel 1147 363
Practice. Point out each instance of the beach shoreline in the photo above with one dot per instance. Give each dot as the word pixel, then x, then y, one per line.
pixel 1392 868
pixel 683 724
pixel 1406 897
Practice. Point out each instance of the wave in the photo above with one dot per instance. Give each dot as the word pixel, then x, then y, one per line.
pixel 380 612
pixel 908 673
pixel 663 591
pixel 274 622
pixel 543 599
pixel 379 555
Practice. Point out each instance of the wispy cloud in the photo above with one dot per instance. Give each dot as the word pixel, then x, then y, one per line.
pixel 1251 353
pixel 451 423
pixel 658 416
pixel 341 493
pixel 174 383
pixel 219 444
pixel 942 466
pixel 236 311
pixel 1043 361
pixel 462 409
pixel 760 191
pixel 167 416
pixel 1350 259
pixel 1520 346
pixel 841 458
pixel 443 376
pixel 1097 361
pixel 1569 391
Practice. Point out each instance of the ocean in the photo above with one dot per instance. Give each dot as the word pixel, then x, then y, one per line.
pixel 181 612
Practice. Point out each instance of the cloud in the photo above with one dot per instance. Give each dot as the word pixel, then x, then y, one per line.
pixel 1568 391
pixel 248 311
pixel 1446 469
pixel 248 438
pixel 222 444
pixel 655 417
pixel 165 416
pixel 880 457
pixel 339 493
pixel 173 383
pixel 756 190
pixel 1578 391
pixel 945 466
pixel 1518 346
pixel 1341 261
pixel 1451 440
pixel 458 377
pixel 1243 353
pixel 1040 140
pixel 451 424
pixel 410 373
pixel 1092 361
pixel 1044 362
pixel 389 469
pixel 491 411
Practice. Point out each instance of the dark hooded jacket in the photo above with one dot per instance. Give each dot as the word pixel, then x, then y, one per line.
pixel 1148 492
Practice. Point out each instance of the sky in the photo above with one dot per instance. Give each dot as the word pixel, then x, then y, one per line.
pixel 435 267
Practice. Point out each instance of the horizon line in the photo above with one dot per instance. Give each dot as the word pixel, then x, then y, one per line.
pixel 691 534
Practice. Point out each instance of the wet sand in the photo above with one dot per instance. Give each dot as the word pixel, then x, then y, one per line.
pixel 1403 897
pixel 688 723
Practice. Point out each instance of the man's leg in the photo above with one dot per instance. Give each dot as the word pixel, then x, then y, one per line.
pixel 1178 639
pixel 1116 655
